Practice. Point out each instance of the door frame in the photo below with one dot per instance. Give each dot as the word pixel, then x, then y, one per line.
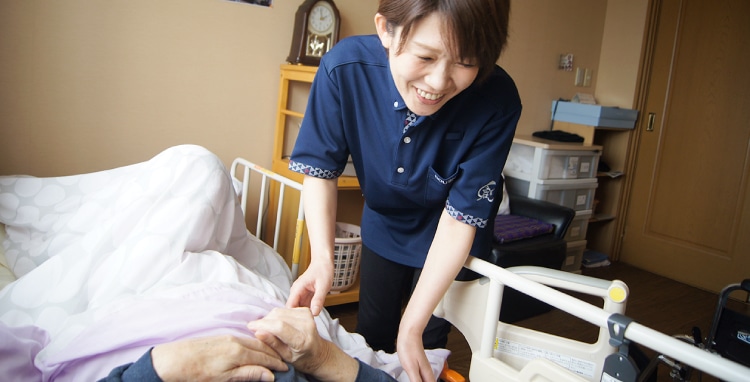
pixel 641 95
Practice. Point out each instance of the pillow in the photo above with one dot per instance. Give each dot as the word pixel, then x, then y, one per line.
pixel 513 227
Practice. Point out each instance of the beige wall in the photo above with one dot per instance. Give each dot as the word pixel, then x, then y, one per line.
pixel 620 59
pixel 542 30
pixel 90 85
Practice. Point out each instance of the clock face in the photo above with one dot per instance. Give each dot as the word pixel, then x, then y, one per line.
pixel 321 19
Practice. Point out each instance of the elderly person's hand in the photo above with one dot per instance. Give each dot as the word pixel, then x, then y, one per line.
pixel 293 334
pixel 219 358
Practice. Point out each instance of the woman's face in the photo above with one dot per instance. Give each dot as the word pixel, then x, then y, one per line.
pixel 425 73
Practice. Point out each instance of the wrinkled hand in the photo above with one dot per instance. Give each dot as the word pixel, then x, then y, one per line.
pixel 292 333
pixel 413 359
pixel 311 288
pixel 219 358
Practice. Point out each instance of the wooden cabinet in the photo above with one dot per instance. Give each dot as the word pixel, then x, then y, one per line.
pixel 610 195
pixel 294 88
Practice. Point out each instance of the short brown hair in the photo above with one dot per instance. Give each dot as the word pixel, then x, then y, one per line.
pixel 477 29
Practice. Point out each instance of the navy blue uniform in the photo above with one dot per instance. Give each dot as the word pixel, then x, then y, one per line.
pixel 451 160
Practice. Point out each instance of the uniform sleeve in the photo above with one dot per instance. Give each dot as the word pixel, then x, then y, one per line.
pixel 320 149
pixel 139 371
pixel 478 191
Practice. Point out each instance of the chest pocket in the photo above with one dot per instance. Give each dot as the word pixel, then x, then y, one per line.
pixel 438 187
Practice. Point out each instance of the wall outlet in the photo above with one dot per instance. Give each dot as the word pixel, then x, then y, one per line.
pixel 579 76
pixel 587 77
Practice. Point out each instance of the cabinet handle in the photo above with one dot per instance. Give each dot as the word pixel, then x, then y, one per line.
pixel 651 120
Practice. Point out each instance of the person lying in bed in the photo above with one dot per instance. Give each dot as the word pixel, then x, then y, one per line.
pixel 284 335
pixel 112 264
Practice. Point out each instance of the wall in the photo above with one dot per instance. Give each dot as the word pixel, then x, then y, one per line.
pixel 90 85
pixel 620 59
pixel 540 31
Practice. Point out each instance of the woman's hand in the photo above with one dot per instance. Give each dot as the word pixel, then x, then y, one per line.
pixel 447 254
pixel 412 356
pixel 311 288
pixel 219 358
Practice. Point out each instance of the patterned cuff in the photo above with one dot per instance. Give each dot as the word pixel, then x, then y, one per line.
pixel 465 218
pixel 313 171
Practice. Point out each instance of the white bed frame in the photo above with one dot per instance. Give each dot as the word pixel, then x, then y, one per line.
pixel 483 330
pixel 505 352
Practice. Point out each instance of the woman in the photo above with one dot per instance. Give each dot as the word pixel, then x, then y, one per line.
pixel 428 122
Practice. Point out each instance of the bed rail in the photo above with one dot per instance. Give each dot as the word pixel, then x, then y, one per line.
pixel 267 178
pixel 483 333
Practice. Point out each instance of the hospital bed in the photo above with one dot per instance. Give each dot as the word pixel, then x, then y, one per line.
pixel 71 244
pixel 506 352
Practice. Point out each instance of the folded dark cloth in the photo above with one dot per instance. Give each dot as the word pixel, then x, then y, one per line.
pixel 514 227
pixel 558 135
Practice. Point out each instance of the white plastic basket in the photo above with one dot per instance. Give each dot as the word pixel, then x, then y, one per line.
pixel 347 249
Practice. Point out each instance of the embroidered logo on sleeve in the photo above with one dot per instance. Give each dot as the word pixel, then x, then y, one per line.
pixel 487 192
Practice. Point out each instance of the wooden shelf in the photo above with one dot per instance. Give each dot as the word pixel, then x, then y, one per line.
pixel 601 218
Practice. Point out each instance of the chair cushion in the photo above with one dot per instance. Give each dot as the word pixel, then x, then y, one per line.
pixel 514 227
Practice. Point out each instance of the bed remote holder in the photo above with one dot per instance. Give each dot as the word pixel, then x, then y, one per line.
pixel 619 367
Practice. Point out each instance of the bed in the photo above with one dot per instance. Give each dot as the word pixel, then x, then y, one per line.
pixel 108 264
pixel 99 267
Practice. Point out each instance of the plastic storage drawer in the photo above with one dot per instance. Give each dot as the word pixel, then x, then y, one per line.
pixel 529 162
pixel 579 226
pixel 577 194
pixel 574 256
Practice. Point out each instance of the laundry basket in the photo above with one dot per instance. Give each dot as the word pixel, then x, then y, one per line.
pixel 347 249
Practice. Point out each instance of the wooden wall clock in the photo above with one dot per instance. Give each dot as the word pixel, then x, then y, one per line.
pixel 316 31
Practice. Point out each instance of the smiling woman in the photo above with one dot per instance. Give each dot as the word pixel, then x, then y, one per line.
pixel 428 119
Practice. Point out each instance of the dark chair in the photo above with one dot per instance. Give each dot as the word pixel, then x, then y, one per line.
pixel 545 250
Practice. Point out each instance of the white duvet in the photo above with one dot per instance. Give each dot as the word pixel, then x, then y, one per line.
pixel 114 262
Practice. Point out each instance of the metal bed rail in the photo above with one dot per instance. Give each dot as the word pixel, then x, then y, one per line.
pixel 267 177
pixel 527 282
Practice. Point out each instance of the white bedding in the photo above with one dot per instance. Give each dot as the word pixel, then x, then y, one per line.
pixel 6 276
pixel 112 263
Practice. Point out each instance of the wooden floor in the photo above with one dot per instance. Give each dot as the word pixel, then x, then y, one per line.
pixel 657 302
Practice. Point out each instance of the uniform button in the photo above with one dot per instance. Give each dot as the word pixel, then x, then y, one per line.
pixel 407 139
pixel 395 104
pixel 400 170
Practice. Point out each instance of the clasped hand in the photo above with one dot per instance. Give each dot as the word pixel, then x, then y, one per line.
pixel 284 335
